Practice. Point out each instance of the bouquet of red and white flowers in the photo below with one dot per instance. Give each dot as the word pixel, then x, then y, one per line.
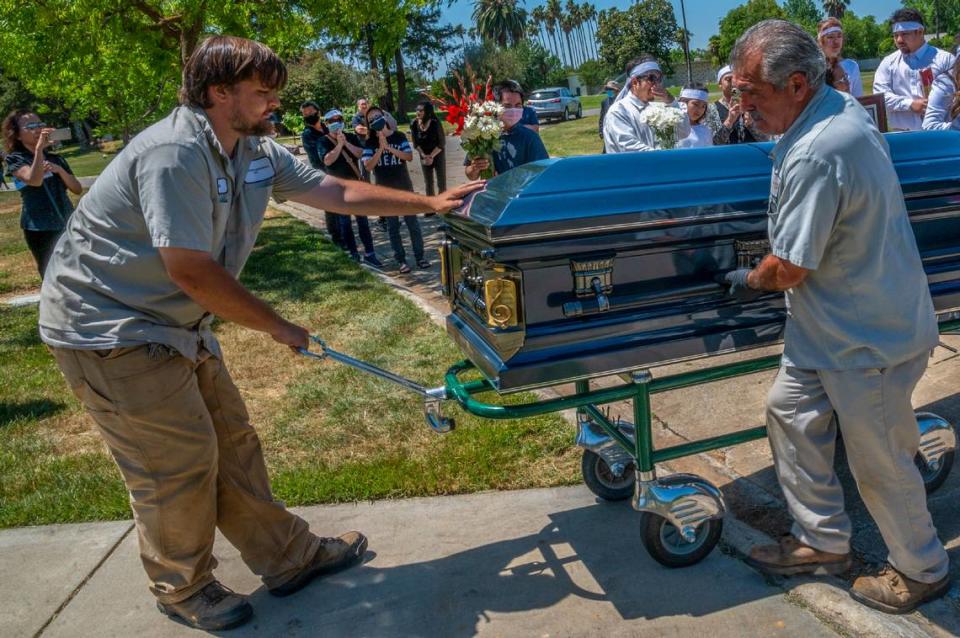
pixel 470 107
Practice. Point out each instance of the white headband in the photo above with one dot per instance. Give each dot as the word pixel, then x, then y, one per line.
pixel 727 70
pixel 900 27
pixel 640 69
pixel 695 94
pixel 829 30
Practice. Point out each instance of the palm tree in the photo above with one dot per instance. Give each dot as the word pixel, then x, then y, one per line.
pixel 499 20
pixel 555 17
pixel 589 12
pixel 835 8
pixel 566 24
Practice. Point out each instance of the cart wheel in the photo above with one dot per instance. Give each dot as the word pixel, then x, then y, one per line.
pixel 601 480
pixel 933 477
pixel 665 544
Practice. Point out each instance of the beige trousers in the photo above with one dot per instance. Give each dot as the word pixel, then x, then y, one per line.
pixel 192 463
pixel 881 437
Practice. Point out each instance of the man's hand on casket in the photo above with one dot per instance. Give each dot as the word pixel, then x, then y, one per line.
pixel 737 282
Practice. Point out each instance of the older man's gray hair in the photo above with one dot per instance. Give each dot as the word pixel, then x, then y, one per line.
pixel 785 49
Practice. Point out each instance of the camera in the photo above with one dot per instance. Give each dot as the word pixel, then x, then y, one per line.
pixel 61 135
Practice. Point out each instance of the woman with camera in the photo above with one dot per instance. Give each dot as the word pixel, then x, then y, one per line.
pixel 42 178
pixel 386 154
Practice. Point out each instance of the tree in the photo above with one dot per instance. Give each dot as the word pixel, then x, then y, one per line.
pixel 528 63
pixel 593 73
pixel 803 12
pixel 738 20
pixel 500 21
pixel 835 8
pixel 864 37
pixel 647 26
pixel 555 23
pixel 941 15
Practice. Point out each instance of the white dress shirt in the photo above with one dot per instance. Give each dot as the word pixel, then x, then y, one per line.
pixel 852 69
pixel 625 131
pixel 700 136
pixel 937 117
pixel 898 78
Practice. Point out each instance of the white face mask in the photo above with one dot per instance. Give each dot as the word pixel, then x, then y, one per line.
pixel 511 116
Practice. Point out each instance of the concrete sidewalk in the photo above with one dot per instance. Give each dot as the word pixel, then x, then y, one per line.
pixel 549 562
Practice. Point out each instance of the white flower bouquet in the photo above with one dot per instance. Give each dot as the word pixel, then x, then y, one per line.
pixel 664 121
pixel 481 132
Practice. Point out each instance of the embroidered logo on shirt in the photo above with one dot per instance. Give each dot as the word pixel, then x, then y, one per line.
pixel 260 170
pixel 222 188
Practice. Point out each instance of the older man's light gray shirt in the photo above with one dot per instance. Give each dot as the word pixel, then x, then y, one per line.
pixel 172 186
pixel 836 209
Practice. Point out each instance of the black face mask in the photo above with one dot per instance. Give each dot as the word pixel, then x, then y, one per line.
pixel 378 123
pixel 310 120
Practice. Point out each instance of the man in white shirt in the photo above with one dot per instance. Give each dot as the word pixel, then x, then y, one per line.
pixel 624 128
pixel 905 76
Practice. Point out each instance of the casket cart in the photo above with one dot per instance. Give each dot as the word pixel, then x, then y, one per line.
pixel 564 271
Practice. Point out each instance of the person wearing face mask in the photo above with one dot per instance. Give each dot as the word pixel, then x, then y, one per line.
pixel 518 144
pixel 696 100
pixel 341 156
pixel 905 76
pixel 386 154
pixel 624 129
pixel 314 131
pixel 611 89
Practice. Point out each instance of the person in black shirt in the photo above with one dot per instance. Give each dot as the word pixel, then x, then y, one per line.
pixel 314 131
pixel 341 153
pixel 42 178
pixel 386 155
pixel 429 141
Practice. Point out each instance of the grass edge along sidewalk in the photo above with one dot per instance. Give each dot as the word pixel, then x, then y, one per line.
pixel 330 433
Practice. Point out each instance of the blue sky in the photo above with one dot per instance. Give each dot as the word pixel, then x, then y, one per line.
pixel 703 16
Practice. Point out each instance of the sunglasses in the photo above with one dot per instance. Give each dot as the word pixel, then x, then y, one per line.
pixel 32 126
pixel 652 78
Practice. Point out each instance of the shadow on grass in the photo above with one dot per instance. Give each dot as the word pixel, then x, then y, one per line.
pixel 38 409
pixel 293 263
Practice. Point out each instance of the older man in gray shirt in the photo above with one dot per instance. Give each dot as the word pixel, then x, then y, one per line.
pixel 151 254
pixel 860 324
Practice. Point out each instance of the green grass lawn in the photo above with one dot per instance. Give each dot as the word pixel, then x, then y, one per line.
pixel 86 163
pixel 330 433
pixel 574 137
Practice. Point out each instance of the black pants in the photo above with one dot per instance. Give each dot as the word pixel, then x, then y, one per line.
pixel 349 240
pixel 440 167
pixel 41 243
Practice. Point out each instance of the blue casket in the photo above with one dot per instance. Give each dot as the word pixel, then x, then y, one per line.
pixel 588 266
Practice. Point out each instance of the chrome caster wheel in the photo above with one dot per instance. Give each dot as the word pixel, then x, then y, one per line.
pixel 669 548
pixel 610 484
pixel 938 443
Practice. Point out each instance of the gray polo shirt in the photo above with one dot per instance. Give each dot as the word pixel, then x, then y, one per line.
pixel 836 208
pixel 172 186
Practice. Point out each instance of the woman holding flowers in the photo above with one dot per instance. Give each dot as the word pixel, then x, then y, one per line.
pixel 386 154
pixel 635 122
pixel 492 133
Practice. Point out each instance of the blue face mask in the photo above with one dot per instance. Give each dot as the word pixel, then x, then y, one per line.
pixel 610 93
pixel 335 126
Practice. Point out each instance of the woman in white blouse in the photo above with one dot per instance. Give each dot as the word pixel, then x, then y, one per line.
pixel 696 100
pixel 943 105
pixel 830 37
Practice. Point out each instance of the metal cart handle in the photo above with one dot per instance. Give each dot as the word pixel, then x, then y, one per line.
pixel 431 396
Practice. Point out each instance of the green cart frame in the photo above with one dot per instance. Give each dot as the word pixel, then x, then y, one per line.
pixel 681 514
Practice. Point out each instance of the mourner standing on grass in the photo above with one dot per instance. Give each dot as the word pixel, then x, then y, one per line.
pixel 730 125
pixel 611 89
pixel 943 108
pixel 151 254
pixel 519 145
pixel 846 72
pixel 906 75
pixel 43 179
pixel 860 324
pixel 624 129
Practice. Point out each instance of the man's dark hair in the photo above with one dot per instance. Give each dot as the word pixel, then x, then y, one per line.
pixel 510 86
pixel 310 104
pixel 11 131
pixel 646 57
pixel 227 60
pixel 907 15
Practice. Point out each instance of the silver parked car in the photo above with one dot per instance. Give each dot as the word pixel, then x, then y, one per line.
pixel 555 102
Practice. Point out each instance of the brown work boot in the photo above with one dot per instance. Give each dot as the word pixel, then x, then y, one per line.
pixel 894 593
pixel 212 608
pixel 790 557
pixel 333 555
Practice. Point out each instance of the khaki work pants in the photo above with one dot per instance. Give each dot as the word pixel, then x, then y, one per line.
pixel 180 434
pixel 881 437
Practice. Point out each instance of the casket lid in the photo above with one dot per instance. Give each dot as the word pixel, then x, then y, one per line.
pixel 603 193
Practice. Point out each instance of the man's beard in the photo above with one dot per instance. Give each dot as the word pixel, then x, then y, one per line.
pixel 257 127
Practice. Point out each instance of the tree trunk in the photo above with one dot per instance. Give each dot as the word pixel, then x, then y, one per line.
pixel 401 86
pixel 567 34
pixel 371 50
pixel 387 102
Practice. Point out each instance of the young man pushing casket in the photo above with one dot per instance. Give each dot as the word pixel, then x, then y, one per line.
pixel 860 324
pixel 152 252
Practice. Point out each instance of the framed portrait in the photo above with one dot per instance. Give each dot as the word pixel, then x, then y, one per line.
pixel 876 108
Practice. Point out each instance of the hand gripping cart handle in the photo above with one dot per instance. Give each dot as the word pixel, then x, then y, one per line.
pixel 431 396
